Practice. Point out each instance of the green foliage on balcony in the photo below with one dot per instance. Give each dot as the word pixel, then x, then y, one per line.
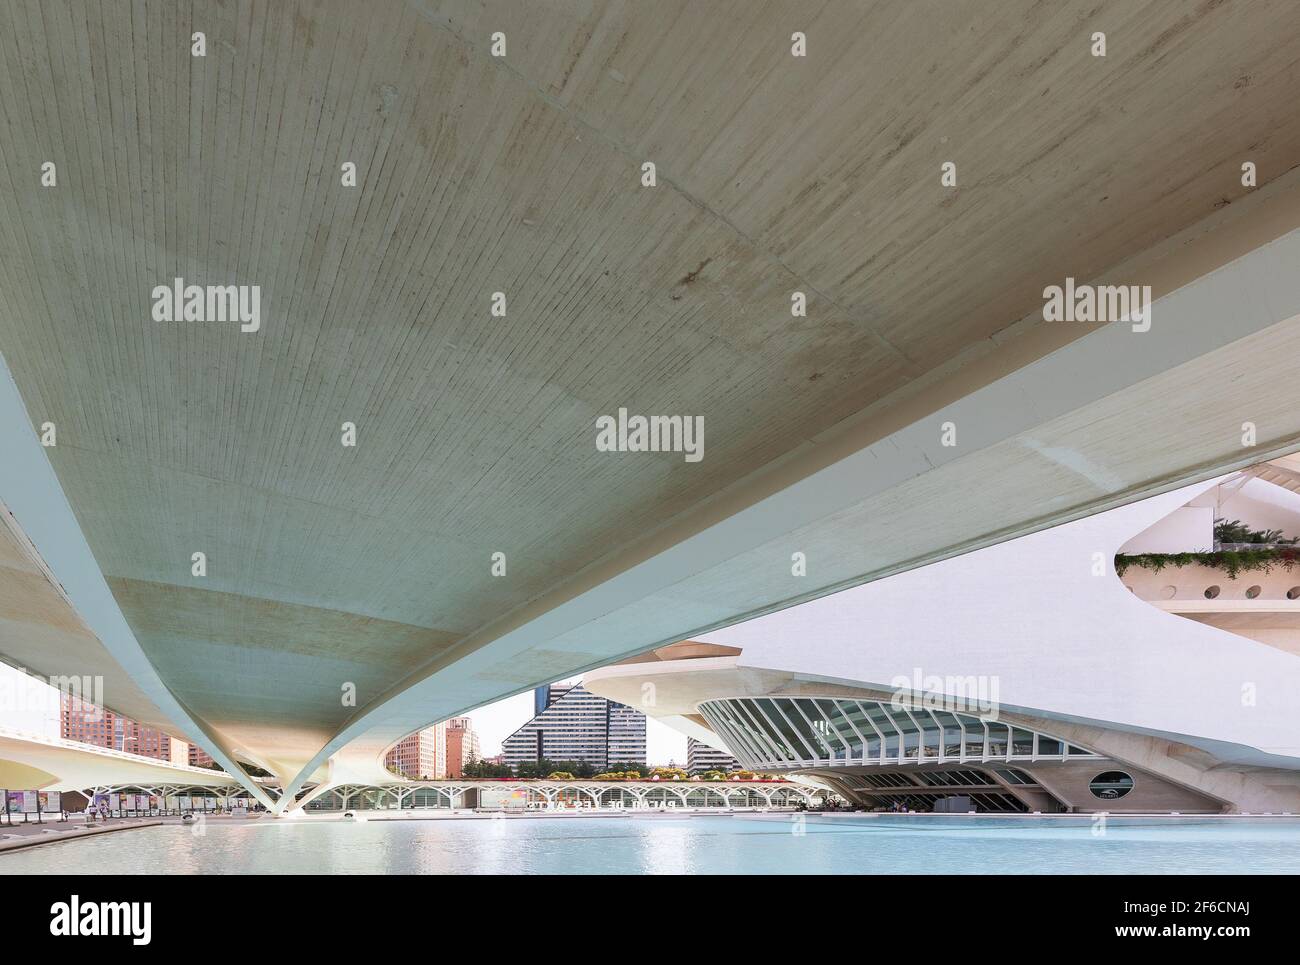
pixel 1231 562
pixel 1274 549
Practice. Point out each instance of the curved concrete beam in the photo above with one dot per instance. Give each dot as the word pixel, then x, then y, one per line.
pixel 73 766
pixel 36 500
pixel 16 774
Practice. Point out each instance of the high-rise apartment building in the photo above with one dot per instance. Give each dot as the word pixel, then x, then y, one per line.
pixel 626 742
pixel 701 757
pixel 577 725
pixel 462 745
pixel 421 756
pixel 85 722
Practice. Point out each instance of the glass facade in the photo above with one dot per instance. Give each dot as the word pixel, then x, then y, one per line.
pixel 922 790
pixel 786 732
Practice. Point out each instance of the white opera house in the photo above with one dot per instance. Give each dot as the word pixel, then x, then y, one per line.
pixel 1142 660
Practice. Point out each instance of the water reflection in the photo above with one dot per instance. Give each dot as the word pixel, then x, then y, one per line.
pixel 673 845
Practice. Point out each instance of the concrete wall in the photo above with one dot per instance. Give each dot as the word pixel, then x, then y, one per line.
pixel 1069 784
pixel 1063 787
pixel 1186 529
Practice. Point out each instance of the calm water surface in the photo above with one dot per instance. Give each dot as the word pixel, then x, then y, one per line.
pixel 678 845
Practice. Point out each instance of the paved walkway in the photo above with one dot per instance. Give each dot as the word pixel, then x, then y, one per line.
pixel 31 834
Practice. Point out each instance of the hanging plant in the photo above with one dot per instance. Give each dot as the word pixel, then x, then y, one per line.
pixel 1231 562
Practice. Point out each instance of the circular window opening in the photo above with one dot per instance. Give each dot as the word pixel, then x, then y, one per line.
pixel 1293 593
pixel 1211 592
pixel 1252 592
pixel 1111 785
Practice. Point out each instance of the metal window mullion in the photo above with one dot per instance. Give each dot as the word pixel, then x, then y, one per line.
pixel 775 733
pixel 723 723
pixel 848 718
pixel 758 749
pixel 962 756
pixel 776 702
pixel 939 724
pixel 723 727
pixel 744 720
pixel 880 758
pixel 794 702
pixel 848 748
pixel 920 734
pixel 758 752
pixel 713 724
pixel 777 754
pixel 894 724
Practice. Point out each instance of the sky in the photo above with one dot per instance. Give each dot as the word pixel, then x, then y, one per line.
pixel 31 705
pixel 28 704
pixel 495 722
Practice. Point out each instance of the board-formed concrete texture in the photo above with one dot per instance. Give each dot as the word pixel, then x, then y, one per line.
pixel 459 249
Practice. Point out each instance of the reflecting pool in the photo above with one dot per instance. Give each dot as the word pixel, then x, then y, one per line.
pixel 680 844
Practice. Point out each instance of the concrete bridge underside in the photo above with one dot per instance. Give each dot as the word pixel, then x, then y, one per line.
pixel 368 569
